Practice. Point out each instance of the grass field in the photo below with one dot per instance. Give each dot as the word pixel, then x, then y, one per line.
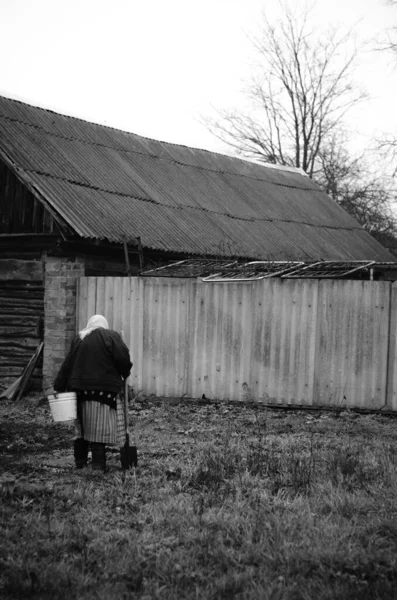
pixel 227 502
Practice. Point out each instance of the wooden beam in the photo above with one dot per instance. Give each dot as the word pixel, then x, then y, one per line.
pixel 26 375
pixel 127 259
pixel 140 250
pixel 22 270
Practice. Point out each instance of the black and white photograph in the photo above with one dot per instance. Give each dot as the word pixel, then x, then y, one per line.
pixel 198 300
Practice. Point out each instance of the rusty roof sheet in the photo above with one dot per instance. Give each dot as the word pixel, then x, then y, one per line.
pixel 109 184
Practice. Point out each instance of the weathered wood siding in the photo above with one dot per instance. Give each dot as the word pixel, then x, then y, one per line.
pixel 20 211
pixel 299 342
pixel 21 318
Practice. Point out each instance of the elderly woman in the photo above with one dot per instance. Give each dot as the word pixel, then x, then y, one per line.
pixel 97 363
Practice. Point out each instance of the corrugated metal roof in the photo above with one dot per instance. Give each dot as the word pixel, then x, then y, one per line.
pixel 107 184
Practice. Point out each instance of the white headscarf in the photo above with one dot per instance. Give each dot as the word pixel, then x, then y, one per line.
pixel 93 323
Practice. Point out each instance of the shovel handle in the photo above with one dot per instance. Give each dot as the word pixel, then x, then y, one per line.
pixel 125 396
pixel 126 405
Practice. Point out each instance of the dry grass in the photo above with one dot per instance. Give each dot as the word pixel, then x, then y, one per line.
pixel 226 503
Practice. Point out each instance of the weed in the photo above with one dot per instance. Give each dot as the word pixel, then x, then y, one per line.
pixel 215 467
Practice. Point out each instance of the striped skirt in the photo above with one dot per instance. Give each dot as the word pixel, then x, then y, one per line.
pixel 101 423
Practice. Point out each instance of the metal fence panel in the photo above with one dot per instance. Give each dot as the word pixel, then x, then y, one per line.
pixel 165 337
pixel 391 390
pixel 219 330
pixel 352 343
pixel 283 341
pixel 298 342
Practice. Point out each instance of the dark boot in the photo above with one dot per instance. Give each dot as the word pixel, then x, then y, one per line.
pixel 98 451
pixel 80 450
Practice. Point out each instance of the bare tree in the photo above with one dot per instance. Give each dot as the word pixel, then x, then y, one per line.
pixel 349 182
pixel 301 95
pixel 300 98
pixel 387 143
pixel 389 39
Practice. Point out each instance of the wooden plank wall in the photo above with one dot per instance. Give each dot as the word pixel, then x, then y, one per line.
pixel 21 318
pixel 20 211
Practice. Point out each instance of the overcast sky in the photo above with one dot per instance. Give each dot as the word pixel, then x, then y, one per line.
pixel 154 67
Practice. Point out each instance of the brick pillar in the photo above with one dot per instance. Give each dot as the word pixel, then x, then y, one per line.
pixel 61 276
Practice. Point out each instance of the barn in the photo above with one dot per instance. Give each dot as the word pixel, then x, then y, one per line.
pixel 80 199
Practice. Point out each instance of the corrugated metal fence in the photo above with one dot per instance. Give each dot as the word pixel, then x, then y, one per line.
pixel 311 342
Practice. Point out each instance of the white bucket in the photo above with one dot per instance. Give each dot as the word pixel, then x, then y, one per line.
pixel 63 406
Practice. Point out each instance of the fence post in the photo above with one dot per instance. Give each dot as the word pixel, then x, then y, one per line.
pixel 391 388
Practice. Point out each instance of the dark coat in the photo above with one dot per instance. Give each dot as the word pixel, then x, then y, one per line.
pixel 98 362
